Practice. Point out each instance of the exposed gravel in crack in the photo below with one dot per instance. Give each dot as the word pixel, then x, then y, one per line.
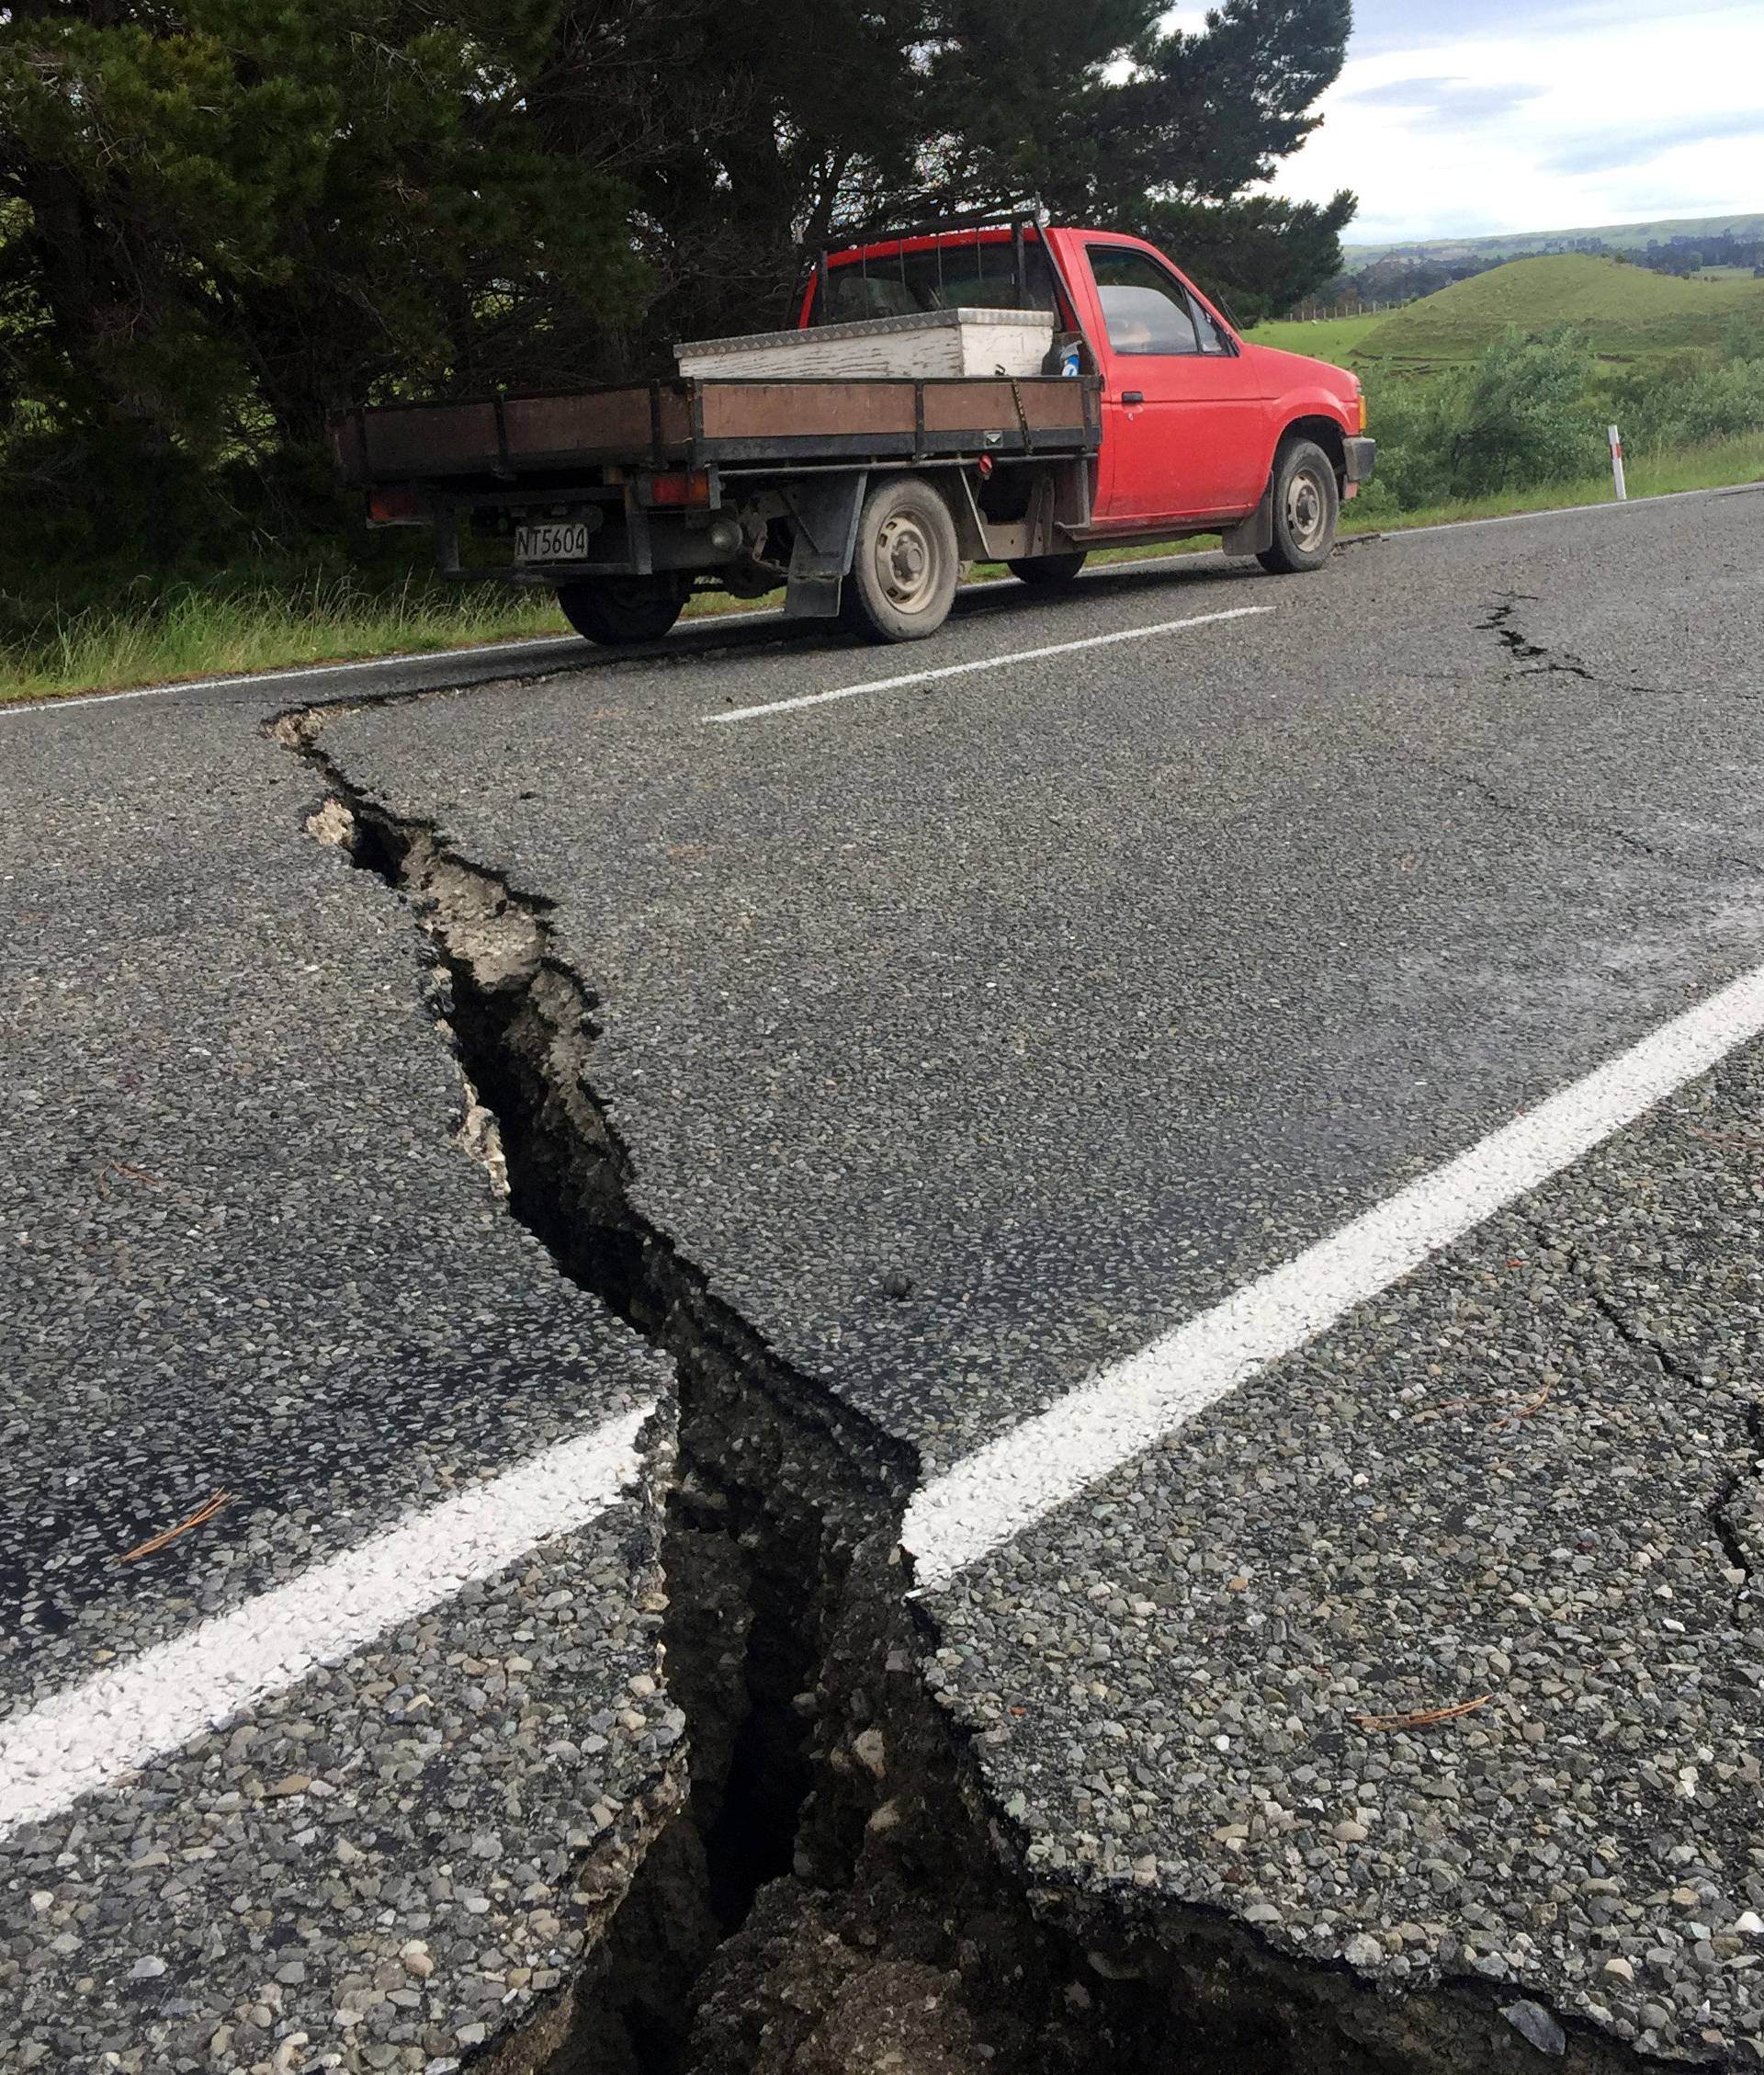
pixel 788 1638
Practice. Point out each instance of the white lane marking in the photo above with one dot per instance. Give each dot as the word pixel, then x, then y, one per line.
pixel 1561 511
pixel 989 1496
pixel 274 677
pixel 92 1735
pixel 985 663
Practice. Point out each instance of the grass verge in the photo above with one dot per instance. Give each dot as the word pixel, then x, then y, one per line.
pixel 216 632
pixel 1721 465
pixel 223 628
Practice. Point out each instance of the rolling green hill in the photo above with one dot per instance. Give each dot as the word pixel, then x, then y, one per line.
pixel 1626 313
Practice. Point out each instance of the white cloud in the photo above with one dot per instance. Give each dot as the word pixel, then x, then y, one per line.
pixel 1492 116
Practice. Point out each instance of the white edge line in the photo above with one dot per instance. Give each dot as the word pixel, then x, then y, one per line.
pixel 90 1735
pixel 990 1496
pixel 982 662
pixel 269 679
pixel 1554 511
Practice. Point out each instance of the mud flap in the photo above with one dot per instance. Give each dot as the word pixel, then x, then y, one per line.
pixel 825 510
pixel 1254 535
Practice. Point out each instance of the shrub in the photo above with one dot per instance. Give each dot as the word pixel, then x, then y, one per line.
pixel 1531 412
pixel 1724 402
pixel 1522 416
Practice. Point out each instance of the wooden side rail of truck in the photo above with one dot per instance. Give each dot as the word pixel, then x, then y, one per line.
pixel 623 497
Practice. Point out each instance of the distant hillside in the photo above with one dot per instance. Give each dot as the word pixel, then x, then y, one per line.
pixel 1509 244
pixel 1624 313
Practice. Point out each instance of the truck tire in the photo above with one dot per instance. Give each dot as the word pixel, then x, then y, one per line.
pixel 1043 573
pixel 618 610
pixel 905 565
pixel 1306 505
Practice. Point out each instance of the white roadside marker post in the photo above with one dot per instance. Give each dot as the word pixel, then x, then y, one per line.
pixel 1617 465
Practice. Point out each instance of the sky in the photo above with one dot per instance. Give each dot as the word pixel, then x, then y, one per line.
pixel 1460 116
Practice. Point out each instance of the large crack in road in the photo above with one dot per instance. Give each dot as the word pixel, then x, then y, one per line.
pixel 838 1892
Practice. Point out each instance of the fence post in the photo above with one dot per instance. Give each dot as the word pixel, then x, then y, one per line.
pixel 1617 465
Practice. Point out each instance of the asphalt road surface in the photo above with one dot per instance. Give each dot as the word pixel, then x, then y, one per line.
pixel 991 1023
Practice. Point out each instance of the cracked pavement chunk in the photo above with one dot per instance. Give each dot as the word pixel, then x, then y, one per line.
pixel 1476 1489
pixel 243 1252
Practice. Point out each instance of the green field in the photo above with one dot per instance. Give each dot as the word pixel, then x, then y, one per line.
pixel 1324 338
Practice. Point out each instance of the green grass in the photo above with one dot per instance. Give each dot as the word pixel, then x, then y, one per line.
pixel 210 633
pixel 1625 313
pixel 220 629
pixel 1324 338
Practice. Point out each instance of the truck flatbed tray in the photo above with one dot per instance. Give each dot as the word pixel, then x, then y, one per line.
pixel 693 423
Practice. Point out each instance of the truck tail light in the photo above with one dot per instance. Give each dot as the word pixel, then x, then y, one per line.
pixel 395 503
pixel 689 486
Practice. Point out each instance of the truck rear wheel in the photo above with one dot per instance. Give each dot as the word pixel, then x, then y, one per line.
pixel 905 565
pixel 1042 572
pixel 618 610
pixel 1306 505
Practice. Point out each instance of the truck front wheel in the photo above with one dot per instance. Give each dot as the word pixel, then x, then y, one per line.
pixel 618 610
pixel 1306 505
pixel 905 564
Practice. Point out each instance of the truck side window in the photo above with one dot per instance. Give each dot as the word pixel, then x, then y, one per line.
pixel 1145 311
pixel 1213 338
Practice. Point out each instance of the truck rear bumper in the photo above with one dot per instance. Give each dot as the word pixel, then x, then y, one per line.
pixel 1361 457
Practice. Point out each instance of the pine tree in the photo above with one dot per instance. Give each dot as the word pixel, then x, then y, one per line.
pixel 240 214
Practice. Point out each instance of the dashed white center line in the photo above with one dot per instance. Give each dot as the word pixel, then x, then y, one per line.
pixel 93 1734
pixel 984 662
pixel 991 1496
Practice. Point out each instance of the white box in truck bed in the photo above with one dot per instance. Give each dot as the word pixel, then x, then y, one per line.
pixel 932 342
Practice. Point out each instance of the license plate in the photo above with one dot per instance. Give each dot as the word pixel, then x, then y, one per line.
pixel 566 540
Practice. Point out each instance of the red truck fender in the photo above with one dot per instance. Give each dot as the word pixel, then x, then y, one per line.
pixel 1310 413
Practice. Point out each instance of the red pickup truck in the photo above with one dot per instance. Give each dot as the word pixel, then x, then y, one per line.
pixel 862 496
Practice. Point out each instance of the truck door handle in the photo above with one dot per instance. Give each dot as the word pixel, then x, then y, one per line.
pixel 1132 396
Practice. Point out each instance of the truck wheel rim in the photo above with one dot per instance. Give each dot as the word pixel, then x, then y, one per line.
pixel 906 563
pixel 1308 510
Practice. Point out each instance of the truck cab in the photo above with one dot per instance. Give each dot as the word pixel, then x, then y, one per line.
pixel 1194 417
